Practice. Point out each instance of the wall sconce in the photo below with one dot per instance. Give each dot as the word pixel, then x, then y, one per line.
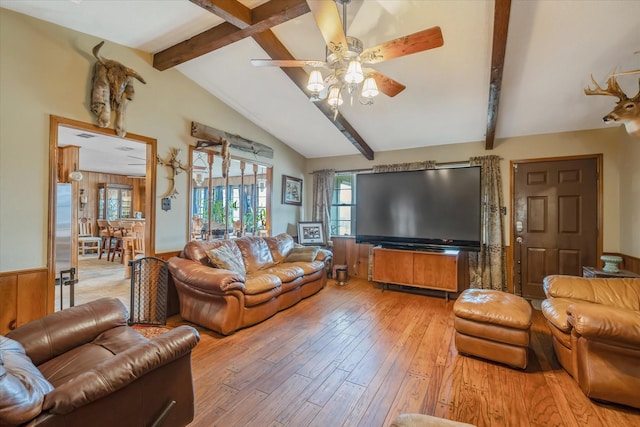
pixel 83 198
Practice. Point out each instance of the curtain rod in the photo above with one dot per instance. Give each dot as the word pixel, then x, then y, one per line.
pixel 370 169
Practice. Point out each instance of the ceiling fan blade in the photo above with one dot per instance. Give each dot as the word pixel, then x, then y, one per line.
pixel 286 63
pixel 413 43
pixel 327 17
pixel 386 85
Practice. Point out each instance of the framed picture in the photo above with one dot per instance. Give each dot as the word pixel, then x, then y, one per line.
pixel 291 190
pixel 310 233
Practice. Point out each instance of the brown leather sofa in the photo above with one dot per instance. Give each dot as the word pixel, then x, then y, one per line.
pixel 595 324
pixel 84 366
pixel 272 275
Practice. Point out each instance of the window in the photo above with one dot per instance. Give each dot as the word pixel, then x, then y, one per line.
pixel 228 206
pixel 343 205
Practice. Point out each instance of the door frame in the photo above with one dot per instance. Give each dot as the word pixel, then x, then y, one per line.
pixel 150 192
pixel 517 287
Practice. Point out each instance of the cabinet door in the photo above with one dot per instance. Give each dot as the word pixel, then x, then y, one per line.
pixel 392 266
pixel 435 271
pixel 126 203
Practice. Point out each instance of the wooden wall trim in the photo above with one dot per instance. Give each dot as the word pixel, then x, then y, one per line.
pixel 23 272
pixel 166 255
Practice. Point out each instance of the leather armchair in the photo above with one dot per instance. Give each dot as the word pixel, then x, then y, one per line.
pixel 84 366
pixel 595 324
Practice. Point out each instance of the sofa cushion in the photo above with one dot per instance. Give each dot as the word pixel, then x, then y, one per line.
pixel 255 253
pixel 286 272
pixel 259 283
pixel 22 385
pixel 280 246
pixel 223 257
pixel 305 253
pixel 82 359
pixel 309 267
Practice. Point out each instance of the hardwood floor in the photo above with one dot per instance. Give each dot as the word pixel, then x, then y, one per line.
pixel 357 356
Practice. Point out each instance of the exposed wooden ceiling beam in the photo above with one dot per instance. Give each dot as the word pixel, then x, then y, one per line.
pixel 241 22
pixel 276 50
pixel 500 30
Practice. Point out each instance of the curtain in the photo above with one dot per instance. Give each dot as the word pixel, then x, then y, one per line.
pixel 401 167
pixel 322 194
pixel 487 269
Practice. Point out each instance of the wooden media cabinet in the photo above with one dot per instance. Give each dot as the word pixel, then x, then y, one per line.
pixel 419 269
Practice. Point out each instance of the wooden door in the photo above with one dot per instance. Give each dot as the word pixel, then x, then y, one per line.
pixel 555 221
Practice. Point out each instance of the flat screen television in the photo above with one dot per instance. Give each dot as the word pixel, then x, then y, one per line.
pixel 435 209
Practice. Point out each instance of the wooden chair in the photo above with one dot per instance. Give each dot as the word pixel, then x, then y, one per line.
pixel 86 240
pixel 116 232
pixel 105 234
pixel 138 239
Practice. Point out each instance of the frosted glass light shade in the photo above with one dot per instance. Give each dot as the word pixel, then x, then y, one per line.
pixel 354 73
pixel 335 97
pixel 370 88
pixel 315 83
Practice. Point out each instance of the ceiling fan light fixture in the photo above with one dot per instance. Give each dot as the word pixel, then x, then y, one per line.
pixel 370 88
pixel 354 73
pixel 335 97
pixel 316 82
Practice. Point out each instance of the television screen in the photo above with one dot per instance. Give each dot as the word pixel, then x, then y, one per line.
pixel 435 209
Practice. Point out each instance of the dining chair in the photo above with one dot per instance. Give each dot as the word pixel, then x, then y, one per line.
pixel 86 240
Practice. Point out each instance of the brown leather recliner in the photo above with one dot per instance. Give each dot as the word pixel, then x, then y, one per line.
pixel 595 324
pixel 84 366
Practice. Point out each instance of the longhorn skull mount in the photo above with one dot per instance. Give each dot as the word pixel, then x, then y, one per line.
pixel 111 89
pixel 627 110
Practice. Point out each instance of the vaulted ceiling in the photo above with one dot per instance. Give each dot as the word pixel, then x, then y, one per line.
pixel 534 57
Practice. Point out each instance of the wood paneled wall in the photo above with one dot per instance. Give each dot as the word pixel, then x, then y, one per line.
pixel 355 256
pixel 90 183
pixel 23 297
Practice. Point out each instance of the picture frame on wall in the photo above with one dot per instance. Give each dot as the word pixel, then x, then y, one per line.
pixel 310 233
pixel 291 190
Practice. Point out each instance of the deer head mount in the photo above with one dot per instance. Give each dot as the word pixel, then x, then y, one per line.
pixel 627 110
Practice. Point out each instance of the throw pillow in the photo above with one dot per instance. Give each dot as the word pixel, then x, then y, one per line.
pixel 307 254
pixel 223 257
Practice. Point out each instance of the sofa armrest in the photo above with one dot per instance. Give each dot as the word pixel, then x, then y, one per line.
pixel 207 279
pixel 57 333
pixel 121 370
pixel 606 323
pixel 324 255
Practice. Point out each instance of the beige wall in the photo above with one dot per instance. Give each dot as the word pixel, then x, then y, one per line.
pixel 621 165
pixel 46 70
pixel 630 196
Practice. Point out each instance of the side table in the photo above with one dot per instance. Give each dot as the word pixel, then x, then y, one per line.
pixel 592 272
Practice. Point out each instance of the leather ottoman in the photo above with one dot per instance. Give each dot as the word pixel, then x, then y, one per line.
pixel 493 325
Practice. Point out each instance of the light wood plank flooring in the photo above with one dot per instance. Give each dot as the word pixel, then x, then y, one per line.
pixel 357 356
pixel 97 278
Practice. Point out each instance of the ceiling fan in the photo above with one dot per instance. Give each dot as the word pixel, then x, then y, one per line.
pixel 346 58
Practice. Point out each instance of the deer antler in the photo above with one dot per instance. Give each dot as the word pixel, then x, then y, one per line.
pixel 613 89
